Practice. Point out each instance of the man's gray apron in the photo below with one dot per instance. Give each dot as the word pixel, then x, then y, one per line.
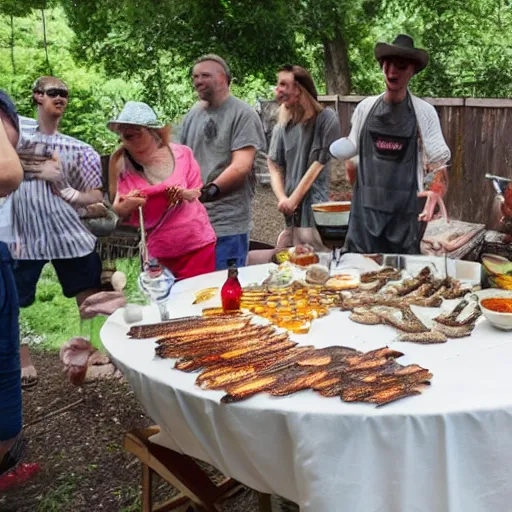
pixel 384 212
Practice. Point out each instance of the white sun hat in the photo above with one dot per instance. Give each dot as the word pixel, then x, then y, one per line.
pixel 136 113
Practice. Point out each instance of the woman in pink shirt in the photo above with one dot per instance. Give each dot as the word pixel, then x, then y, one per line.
pixel 164 178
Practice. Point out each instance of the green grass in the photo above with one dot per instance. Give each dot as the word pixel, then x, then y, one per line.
pixel 55 500
pixel 54 318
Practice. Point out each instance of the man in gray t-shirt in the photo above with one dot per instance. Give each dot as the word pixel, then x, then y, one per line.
pixel 224 134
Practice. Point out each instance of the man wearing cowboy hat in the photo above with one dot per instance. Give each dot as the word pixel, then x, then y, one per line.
pixel 402 158
pixel 62 174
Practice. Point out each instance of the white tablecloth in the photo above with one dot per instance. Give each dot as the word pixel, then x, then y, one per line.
pixel 449 449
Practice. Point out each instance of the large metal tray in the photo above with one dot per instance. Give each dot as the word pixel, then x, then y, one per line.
pixel 466 271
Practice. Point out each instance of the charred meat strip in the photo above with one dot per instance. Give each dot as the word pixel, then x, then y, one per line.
pixel 386 273
pixel 189 326
pixel 243 359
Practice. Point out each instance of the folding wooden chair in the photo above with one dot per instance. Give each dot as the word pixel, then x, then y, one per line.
pixel 183 473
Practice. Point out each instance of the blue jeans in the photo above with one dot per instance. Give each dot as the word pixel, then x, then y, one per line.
pixel 232 248
pixel 10 369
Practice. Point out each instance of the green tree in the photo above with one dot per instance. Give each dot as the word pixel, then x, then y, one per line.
pixel 94 98
pixel 468 42
pixel 256 36
pixel 148 38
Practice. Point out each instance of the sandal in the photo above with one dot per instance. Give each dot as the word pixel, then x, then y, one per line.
pixel 28 381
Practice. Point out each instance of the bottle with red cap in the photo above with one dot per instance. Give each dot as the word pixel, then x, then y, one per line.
pixel 231 292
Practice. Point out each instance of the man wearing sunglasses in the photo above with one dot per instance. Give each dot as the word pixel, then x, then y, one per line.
pixel 299 157
pixel 402 158
pixel 224 133
pixel 62 175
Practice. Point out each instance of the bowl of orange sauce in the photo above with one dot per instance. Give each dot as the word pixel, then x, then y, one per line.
pixel 496 305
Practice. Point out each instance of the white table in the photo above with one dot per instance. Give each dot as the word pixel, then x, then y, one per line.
pixel 449 449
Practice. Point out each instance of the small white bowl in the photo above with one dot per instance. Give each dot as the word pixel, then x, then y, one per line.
pixel 501 321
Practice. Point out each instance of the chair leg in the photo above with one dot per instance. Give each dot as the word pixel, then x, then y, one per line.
pixel 178 470
pixel 265 503
pixel 147 488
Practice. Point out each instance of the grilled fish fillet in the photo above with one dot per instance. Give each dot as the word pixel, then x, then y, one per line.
pixel 188 326
pixel 248 388
pixel 223 375
pixel 210 348
pixel 299 382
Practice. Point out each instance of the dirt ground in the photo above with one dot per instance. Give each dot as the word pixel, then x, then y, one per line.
pixel 84 466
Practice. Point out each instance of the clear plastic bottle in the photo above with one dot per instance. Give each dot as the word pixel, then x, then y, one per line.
pixel 156 282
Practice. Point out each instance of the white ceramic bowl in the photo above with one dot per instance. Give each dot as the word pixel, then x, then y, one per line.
pixel 501 321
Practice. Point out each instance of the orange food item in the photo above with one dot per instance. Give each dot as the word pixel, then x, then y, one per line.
pixel 499 305
pixel 332 208
pixel 342 282
pixel 304 260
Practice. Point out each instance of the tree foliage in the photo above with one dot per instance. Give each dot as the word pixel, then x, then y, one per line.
pixel 132 37
pixel 468 42
pixel 94 98
pixel 111 51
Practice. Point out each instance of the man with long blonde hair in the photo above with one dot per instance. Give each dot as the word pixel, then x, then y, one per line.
pixel 299 156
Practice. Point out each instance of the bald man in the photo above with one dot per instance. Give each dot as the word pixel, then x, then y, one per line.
pixel 224 133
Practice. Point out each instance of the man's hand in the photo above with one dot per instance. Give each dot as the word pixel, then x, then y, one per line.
pixel 189 195
pixel 102 303
pixel 95 211
pixel 287 206
pixel 43 168
pixel 507 205
pixel 433 200
pixel 69 194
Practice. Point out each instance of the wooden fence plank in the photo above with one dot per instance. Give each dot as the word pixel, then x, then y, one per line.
pixel 488 102
pixel 446 102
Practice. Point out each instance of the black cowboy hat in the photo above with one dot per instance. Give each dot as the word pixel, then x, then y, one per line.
pixel 403 47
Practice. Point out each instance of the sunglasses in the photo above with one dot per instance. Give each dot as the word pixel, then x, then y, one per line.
pixel 130 134
pixel 54 92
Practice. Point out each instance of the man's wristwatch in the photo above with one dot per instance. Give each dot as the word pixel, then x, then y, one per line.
pixel 209 193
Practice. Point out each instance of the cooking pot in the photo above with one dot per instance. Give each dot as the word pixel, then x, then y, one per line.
pixel 331 213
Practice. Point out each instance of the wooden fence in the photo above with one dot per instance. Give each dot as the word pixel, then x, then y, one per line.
pixel 479 135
